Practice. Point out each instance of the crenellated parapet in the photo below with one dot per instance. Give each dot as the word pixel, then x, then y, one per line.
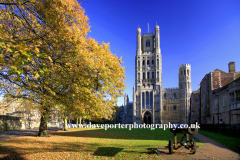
pixel 173 88
pixel 184 66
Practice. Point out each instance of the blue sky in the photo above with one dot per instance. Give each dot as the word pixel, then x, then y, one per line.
pixel 205 34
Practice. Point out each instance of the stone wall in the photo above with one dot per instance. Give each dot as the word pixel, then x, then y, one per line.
pixel 16 123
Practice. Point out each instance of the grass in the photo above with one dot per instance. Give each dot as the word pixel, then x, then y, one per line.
pixel 230 142
pixel 89 144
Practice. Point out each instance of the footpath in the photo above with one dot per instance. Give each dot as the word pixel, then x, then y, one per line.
pixel 5 135
pixel 212 151
pixel 216 150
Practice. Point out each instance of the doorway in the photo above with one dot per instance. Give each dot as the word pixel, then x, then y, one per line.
pixel 147 118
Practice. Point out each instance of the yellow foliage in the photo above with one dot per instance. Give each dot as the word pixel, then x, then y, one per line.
pixel 54 60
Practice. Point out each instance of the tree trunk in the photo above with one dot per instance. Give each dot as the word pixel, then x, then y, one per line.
pixel 80 120
pixel 65 124
pixel 83 121
pixel 43 125
pixel 77 123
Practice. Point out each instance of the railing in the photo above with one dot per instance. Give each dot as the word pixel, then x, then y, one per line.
pixel 229 130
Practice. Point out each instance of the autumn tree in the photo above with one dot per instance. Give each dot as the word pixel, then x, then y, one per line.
pixel 45 51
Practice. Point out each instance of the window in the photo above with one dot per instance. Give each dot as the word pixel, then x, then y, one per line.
pixel 148 75
pixel 157 74
pixel 157 62
pixel 184 72
pixel 143 75
pixel 174 108
pixel 188 72
pixel 232 97
pixel 153 62
pixel 151 100
pixel 147 43
pixel 143 103
pixel 181 72
pixel 138 63
pixel 147 100
pixel 164 108
pixel 152 75
pixel 147 62
pixel 153 86
pixel 238 96
pixel 174 96
pixel 165 96
pixel 138 75
pixel 143 63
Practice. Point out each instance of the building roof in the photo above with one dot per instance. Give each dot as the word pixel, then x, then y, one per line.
pixel 218 70
pixel 226 86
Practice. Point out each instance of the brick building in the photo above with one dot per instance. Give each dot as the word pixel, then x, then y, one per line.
pixel 210 84
pixel 194 106
pixel 226 104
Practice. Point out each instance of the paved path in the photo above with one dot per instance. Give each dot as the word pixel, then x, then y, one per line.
pixel 216 150
pixel 5 135
pixel 212 150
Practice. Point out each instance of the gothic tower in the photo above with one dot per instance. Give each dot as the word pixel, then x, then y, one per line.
pixel 148 78
pixel 185 91
pixel 151 102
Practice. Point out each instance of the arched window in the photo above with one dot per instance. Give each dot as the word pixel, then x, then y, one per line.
pixel 143 103
pixel 174 108
pixel 157 74
pixel 184 72
pixel 138 75
pixel 147 62
pixel 174 96
pixel 143 63
pixel 157 62
pixel 147 100
pixel 151 100
pixel 147 43
pixel 138 63
pixel 153 62
pixel 148 75
pixel 143 75
pixel 188 72
pixel 165 96
pixel 152 75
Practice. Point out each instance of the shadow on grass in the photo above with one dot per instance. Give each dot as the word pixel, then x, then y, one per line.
pixel 7 153
pixel 38 146
pixel 26 146
pixel 149 151
pixel 126 134
pixel 107 151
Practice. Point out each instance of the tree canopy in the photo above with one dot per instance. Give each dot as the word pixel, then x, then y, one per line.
pixel 44 51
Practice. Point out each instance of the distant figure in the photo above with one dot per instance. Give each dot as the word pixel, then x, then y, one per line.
pixel 221 124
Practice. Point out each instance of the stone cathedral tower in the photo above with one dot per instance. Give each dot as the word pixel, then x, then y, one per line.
pixel 152 104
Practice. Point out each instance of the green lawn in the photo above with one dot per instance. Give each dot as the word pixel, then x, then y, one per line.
pixel 231 142
pixel 90 144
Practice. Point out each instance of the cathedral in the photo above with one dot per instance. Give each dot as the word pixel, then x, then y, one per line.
pixel 153 104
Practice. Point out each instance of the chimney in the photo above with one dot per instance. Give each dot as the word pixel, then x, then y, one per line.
pixel 231 67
